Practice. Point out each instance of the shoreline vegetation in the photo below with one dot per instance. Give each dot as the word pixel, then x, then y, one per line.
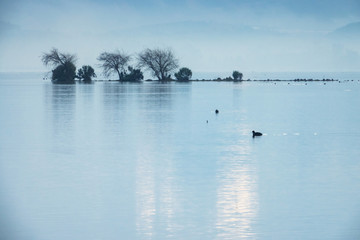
pixel 160 63
pixel 232 80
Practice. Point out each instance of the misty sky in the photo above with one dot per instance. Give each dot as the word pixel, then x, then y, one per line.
pixel 206 35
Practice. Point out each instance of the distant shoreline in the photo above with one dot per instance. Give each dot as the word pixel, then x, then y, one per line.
pixel 248 80
pixel 348 77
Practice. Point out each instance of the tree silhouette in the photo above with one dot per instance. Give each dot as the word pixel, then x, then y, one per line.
pixel 85 73
pixel 161 63
pixel 64 74
pixel 237 76
pixel 64 66
pixel 134 75
pixel 115 62
pixel 184 74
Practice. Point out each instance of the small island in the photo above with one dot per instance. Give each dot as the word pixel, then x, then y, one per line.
pixel 162 64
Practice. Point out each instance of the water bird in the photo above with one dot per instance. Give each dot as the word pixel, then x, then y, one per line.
pixel 256 133
pixel 216 111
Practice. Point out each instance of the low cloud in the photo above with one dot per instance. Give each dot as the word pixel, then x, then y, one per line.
pixel 206 35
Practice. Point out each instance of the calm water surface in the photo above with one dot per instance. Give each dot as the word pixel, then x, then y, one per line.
pixel 139 161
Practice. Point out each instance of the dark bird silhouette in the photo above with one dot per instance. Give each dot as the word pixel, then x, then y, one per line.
pixel 216 111
pixel 256 133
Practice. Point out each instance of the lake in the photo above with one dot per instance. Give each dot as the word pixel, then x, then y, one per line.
pixel 154 161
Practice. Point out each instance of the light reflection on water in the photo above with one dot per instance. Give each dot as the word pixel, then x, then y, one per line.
pixel 237 199
pixel 153 161
pixel 145 197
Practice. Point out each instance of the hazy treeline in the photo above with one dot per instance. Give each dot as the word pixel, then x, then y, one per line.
pixel 160 63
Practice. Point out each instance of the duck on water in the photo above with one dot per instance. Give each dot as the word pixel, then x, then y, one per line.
pixel 256 134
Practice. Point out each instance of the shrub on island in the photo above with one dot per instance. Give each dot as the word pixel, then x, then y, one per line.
pixel 183 75
pixel 134 75
pixel 85 74
pixel 64 74
pixel 237 76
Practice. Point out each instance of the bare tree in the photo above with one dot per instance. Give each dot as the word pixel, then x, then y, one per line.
pixel 64 66
pixel 115 62
pixel 160 62
pixel 55 58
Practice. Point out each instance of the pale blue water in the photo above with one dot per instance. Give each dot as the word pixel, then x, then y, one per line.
pixel 139 161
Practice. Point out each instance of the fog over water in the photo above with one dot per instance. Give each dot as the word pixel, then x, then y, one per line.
pixel 147 160
pixel 207 36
